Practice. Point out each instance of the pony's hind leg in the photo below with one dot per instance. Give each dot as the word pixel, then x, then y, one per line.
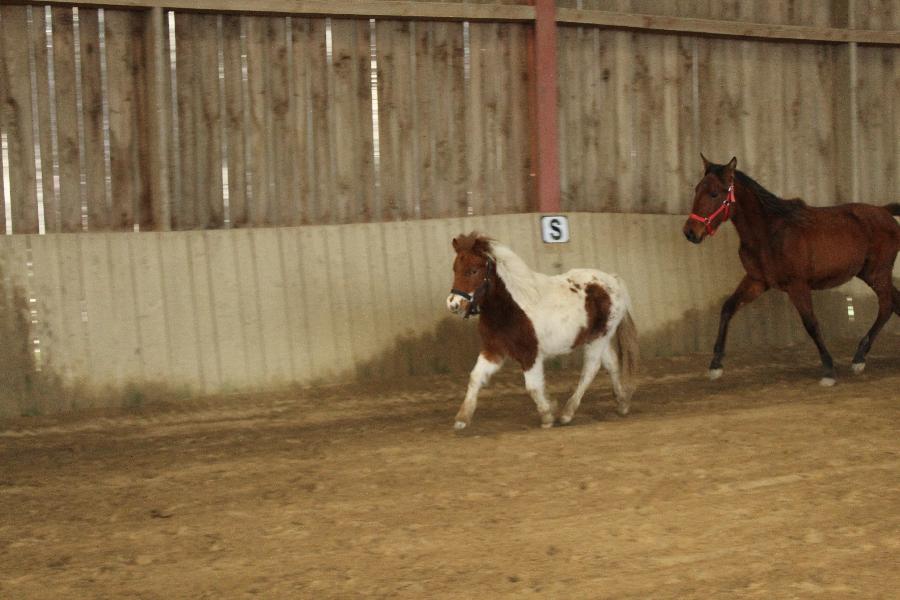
pixel 534 383
pixel 593 359
pixel 481 374
pixel 622 392
pixel 887 304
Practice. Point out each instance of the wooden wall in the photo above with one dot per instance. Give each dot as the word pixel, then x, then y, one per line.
pixel 645 105
pixel 288 120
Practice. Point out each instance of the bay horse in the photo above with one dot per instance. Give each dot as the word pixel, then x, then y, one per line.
pixel 529 316
pixel 796 248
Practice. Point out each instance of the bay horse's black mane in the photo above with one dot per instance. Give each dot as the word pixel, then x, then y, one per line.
pixel 794 209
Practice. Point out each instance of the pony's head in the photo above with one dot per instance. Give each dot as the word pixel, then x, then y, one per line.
pixel 473 274
pixel 714 200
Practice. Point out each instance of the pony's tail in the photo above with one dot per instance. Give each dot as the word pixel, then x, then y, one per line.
pixel 626 346
pixel 894 209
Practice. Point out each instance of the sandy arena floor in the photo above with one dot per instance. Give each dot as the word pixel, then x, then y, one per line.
pixel 759 485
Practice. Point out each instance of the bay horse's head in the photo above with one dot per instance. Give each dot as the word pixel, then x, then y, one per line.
pixel 713 200
pixel 473 274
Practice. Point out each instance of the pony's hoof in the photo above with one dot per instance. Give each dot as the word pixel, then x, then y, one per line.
pixel 858 368
pixel 565 419
pixel 827 382
pixel 714 374
pixel 546 424
pixel 459 425
pixel 623 409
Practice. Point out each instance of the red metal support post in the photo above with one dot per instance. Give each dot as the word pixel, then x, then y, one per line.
pixel 546 113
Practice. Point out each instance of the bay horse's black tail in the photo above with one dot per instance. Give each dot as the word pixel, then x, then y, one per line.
pixel 894 208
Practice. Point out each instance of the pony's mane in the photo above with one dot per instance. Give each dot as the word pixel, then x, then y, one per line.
pixel 794 209
pixel 521 282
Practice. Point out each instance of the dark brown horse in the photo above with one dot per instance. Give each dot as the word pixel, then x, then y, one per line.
pixel 796 248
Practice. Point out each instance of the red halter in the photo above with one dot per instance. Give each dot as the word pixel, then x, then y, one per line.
pixel 725 207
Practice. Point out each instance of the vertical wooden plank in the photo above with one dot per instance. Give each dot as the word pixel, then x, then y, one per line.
pixel 301 138
pixel 624 125
pixel 98 204
pixel 398 93
pixel 235 139
pixel 476 132
pixel 352 121
pixel 50 200
pixel 320 87
pixel 448 85
pixel 424 174
pixel 201 202
pixel 124 59
pixel 262 186
pixel 17 118
pixel 282 160
pixel 159 125
pixel 67 120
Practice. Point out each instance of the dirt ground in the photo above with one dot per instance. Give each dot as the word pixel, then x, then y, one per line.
pixel 759 485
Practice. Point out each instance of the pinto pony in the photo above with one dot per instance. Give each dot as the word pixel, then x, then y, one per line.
pixel 529 316
pixel 796 248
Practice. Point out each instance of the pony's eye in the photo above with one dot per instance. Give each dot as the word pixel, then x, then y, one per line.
pixel 714 194
pixel 472 272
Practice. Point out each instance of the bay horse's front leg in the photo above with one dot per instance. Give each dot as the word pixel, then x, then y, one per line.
pixel 747 291
pixel 801 297
pixel 478 378
pixel 534 383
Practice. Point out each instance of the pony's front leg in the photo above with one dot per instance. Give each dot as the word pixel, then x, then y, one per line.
pixel 481 374
pixel 534 383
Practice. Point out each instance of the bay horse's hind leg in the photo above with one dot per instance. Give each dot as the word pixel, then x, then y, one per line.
pixel 887 304
pixel 801 297
pixel 534 383
pixel 747 291
pixel 593 359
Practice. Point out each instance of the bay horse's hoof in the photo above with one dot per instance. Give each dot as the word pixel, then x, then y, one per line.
pixel 623 409
pixel 858 368
pixel 565 419
pixel 459 425
pixel 714 374
pixel 827 381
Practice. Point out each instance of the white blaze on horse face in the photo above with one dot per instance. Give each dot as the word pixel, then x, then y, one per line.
pixel 457 304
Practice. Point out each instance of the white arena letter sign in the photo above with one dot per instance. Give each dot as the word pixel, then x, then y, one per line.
pixel 555 229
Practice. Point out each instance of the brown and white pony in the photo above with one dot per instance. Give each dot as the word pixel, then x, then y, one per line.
pixel 530 316
pixel 796 248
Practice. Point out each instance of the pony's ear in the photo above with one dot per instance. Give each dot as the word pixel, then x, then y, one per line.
pixel 455 245
pixel 706 163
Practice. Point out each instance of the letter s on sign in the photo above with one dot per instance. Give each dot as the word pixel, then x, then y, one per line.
pixel 555 229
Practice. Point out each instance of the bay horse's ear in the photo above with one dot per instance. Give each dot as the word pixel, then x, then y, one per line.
pixel 455 245
pixel 706 163
pixel 732 164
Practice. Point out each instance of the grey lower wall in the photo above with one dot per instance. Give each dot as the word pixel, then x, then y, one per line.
pixel 94 319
